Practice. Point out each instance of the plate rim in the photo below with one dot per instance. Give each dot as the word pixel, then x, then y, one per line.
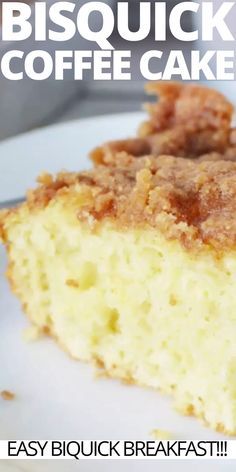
pixel 68 123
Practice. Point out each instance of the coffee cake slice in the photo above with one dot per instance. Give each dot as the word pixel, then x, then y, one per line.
pixel 133 267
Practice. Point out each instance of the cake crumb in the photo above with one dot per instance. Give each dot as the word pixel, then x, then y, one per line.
pixel 32 333
pixel 161 434
pixel 72 283
pixel 7 395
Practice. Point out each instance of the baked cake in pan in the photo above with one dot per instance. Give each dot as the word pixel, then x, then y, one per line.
pixel 132 265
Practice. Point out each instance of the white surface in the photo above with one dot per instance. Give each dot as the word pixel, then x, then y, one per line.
pixel 57 147
pixel 57 397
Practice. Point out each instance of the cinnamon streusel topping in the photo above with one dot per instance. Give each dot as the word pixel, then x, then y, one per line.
pixel 190 200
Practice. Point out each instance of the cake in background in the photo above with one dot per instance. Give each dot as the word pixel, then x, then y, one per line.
pixel 188 121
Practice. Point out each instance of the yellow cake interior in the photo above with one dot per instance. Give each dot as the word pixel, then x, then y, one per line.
pixel 147 309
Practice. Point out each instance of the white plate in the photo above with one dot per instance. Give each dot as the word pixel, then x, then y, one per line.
pixel 57 147
pixel 57 397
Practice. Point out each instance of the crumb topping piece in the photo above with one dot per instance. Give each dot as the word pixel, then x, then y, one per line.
pixel 7 395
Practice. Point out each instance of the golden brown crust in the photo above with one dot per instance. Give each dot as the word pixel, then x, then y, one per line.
pixel 3 218
pixel 187 121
